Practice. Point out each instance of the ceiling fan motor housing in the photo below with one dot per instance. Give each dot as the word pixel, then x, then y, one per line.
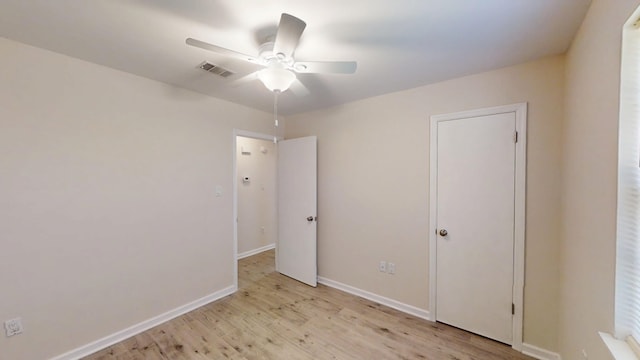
pixel 267 55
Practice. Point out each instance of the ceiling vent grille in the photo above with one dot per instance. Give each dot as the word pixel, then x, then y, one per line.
pixel 215 69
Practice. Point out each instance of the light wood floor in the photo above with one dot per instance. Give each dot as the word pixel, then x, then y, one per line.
pixel 275 317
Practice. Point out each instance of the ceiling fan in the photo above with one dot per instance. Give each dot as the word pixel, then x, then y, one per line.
pixel 277 57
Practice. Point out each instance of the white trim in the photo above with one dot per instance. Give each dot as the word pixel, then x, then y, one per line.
pixel 409 309
pixel 433 201
pixel 520 223
pixel 520 111
pixel 122 335
pixel 249 134
pixel 256 251
pixel 539 353
pixel 619 349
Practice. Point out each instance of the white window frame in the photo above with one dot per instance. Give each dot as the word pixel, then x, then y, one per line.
pixel 627 287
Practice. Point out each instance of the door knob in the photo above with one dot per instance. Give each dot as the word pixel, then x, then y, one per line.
pixel 443 232
pixel 309 218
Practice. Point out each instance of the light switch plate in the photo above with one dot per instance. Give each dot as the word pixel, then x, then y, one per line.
pixel 13 327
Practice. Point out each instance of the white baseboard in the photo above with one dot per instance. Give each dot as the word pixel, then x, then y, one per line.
pixel 143 326
pixel 409 309
pixel 255 251
pixel 539 353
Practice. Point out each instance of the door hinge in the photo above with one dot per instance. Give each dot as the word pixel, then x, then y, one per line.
pixel 513 309
pixel 515 137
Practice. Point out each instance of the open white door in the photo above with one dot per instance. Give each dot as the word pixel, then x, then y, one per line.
pixel 296 249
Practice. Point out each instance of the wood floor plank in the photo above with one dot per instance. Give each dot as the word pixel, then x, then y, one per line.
pixel 272 316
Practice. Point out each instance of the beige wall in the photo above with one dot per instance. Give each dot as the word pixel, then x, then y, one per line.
pixel 373 160
pixel 257 222
pixel 589 179
pixel 108 213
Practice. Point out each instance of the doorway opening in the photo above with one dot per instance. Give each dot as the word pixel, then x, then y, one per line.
pixel 293 208
pixel 255 202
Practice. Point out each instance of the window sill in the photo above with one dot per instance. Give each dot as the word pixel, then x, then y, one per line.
pixel 618 348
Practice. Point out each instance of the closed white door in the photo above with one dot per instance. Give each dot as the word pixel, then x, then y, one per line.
pixel 476 159
pixel 296 250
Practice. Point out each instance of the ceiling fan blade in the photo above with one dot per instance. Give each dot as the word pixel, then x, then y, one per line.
pixel 299 89
pixel 325 67
pixel 289 31
pixel 220 50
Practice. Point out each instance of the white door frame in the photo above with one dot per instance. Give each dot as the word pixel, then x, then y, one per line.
pixel 520 111
pixel 248 134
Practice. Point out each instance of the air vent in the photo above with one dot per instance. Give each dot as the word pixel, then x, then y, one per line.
pixel 215 69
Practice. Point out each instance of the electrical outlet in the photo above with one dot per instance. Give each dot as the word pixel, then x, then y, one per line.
pixel 382 266
pixel 391 268
pixel 13 327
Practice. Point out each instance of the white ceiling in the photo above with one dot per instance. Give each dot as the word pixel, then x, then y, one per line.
pixel 398 44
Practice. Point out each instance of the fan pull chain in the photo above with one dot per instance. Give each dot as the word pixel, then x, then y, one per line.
pixel 275 116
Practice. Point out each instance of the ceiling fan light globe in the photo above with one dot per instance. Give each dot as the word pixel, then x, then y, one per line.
pixel 276 78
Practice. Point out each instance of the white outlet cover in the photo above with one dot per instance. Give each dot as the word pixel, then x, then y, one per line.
pixel 391 268
pixel 13 327
pixel 382 266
